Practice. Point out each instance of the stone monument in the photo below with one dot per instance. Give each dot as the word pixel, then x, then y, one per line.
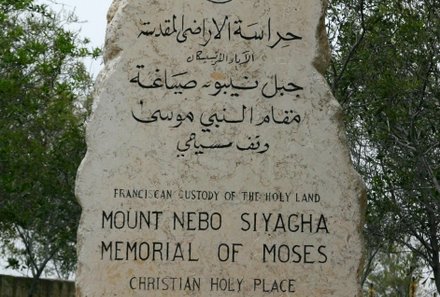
pixel 216 162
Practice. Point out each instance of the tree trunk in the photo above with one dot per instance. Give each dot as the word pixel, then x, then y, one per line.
pixel 39 271
pixel 371 291
pixel 33 287
pixel 435 263
pixel 436 270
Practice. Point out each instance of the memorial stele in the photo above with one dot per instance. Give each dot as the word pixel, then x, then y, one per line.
pixel 216 161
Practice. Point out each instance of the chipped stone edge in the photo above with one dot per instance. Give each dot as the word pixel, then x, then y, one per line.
pixel 110 57
pixel 111 48
pixel 320 63
pixel 322 57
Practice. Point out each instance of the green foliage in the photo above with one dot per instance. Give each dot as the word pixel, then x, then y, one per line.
pixel 385 73
pixel 44 88
pixel 394 272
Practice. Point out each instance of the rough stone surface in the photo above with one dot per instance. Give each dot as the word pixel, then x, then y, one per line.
pixel 216 160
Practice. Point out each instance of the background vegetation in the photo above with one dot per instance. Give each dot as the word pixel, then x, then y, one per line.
pixel 44 94
pixel 385 73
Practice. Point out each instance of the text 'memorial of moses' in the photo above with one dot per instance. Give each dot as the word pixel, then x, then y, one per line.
pixel 216 161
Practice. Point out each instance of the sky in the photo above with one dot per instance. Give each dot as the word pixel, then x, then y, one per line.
pixel 92 22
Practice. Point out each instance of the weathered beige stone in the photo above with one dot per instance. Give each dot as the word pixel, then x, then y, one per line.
pixel 235 146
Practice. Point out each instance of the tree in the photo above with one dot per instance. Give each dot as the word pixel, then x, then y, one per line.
pixel 44 92
pixel 396 272
pixel 385 73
